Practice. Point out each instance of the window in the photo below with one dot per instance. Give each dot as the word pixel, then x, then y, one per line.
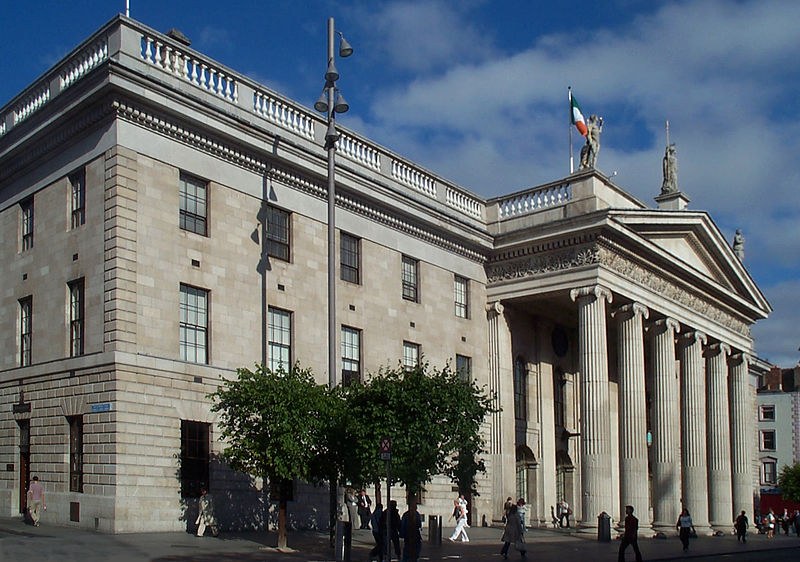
pixel 559 381
pixel 768 440
pixel 461 297
pixel 350 258
pixel 25 330
pixel 410 279
pixel 193 205
pixel 75 453
pixel 410 355
pixel 195 446
pixel 194 324
pixel 76 313
pixel 351 355
pixel 27 223
pixel 766 412
pixel 278 233
pixel 77 183
pixel 769 472
pixel 279 336
pixel 520 389
pixel 464 367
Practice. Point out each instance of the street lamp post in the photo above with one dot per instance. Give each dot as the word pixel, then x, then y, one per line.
pixel 332 102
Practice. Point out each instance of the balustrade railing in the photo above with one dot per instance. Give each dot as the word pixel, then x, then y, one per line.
pixel 413 178
pixel 85 61
pixel 464 202
pixel 530 201
pixel 32 102
pixel 186 66
pixel 358 151
pixel 281 113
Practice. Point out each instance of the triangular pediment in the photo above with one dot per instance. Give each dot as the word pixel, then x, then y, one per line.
pixel 689 244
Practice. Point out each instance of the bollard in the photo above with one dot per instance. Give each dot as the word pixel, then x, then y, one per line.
pixel 435 530
pixel 604 527
pixel 344 538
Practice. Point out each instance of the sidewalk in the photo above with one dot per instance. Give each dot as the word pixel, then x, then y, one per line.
pixel 65 544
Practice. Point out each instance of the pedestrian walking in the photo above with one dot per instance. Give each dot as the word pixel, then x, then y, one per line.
pixel 522 509
pixel 352 507
pixel 364 504
pixel 512 534
pixel 771 524
pixel 631 535
pixel 390 522
pixel 460 514
pixel 564 511
pixel 205 514
pixel 741 527
pixel 785 521
pixel 36 501
pixel 507 507
pixel 411 534
pixel 685 527
pixel 796 521
pixel 375 522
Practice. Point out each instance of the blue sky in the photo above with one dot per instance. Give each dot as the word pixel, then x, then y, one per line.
pixel 476 91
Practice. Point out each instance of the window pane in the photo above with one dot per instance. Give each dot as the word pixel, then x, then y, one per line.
pixel 464 367
pixel 192 204
pixel 410 281
pixel 25 330
pixel 278 233
pixel 78 198
pixel 349 258
pixel 460 297
pixel 410 355
pixel 193 331
pixel 27 224
pixel 279 336
pixel 75 453
pixel 76 321
pixel 351 355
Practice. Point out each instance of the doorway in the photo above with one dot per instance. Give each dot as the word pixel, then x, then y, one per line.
pixel 24 463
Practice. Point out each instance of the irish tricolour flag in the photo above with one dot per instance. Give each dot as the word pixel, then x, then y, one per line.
pixel 577 116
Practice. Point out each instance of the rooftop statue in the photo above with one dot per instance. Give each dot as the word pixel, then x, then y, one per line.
pixel 592 146
pixel 738 244
pixel 670 168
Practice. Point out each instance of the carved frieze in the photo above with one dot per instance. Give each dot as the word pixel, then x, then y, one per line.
pixel 534 265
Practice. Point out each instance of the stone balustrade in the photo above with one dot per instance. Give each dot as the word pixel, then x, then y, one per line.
pixel 533 200
pixel 83 62
pixel 283 114
pixel 187 66
pixel 126 40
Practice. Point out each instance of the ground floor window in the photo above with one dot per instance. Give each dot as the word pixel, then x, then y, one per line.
pixel 195 458
pixel 75 453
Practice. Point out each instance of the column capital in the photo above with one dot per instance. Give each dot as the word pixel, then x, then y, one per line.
pixel 495 307
pixel 664 324
pixel 741 357
pixel 690 338
pixel 713 349
pixel 630 310
pixel 596 291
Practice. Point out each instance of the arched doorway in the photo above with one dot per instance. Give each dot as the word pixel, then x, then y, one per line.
pixel 527 471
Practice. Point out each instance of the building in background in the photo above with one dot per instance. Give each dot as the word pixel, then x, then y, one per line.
pixel 163 222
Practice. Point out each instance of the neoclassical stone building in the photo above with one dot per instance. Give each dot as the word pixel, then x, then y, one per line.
pixel 163 221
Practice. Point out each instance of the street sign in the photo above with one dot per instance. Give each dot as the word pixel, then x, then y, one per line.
pixel 386 456
pixel 386 445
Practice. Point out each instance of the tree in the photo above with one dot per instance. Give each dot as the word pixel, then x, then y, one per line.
pixel 433 418
pixel 789 482
pixel 272 425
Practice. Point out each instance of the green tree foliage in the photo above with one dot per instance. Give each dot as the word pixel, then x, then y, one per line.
pixel 789 482
pixel 272 425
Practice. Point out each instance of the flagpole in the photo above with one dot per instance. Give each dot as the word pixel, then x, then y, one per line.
pixel 571 162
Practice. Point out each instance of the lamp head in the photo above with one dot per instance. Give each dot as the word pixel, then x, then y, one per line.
pixel 345 50
pixel 340 105
pixel 331 75
pixel 331 136
pixel 321 104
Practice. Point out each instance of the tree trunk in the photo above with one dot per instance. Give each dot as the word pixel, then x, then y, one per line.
pixel 282 503
pixel 333 501
pixel 378 492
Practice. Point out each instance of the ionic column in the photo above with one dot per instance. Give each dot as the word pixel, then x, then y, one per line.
pixel 633 477
pixel 741 426
pixel 595 431
pixel 694 488
pixel 502 458
pixel 666 426
pixel 720 508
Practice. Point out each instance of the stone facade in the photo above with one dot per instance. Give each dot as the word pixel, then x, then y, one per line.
pixel 583 304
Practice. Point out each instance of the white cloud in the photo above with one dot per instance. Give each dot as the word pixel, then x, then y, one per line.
pixel 778 338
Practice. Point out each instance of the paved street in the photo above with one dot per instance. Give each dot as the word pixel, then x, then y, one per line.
pixel 65 544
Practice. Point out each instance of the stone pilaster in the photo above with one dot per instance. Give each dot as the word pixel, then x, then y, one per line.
pixel 694 466
pixel 595 430
pixel 501 433
pixel 666 460
pixel 720 508
pixel 633 477
pixel 741 429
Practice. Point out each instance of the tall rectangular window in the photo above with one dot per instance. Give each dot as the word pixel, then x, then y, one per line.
pixel 27 223
pixel 75 453
pixel 520 390
pixel 76 316
pixel 195 457
pixel 410 355
pixel 279 335
pixel 351 355
pixel 194 324
pixel 410 279
pixel 278 233
pixel 77 184
pixel 350 258
pixel 461 296
pixel 768 440
pixel 769 472
pixel 766 412
pixel 193 205
pixel 25 330
pixel 464 367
